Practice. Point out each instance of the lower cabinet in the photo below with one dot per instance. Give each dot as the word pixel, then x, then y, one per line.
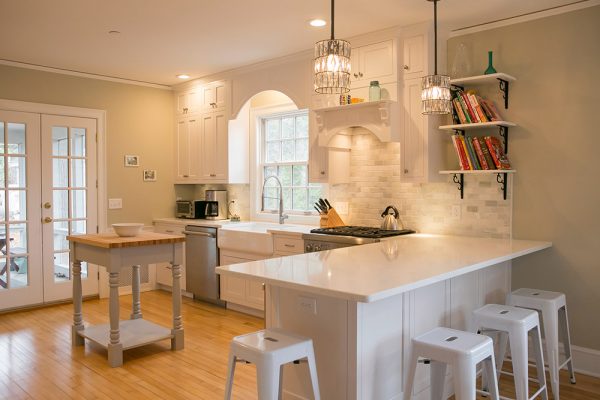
pixel 164 275
pixel 241 291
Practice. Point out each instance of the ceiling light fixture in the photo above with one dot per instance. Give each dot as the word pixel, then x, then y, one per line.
pixel 317 22
pixel 183 76
pixel 332 63
pixel 435 94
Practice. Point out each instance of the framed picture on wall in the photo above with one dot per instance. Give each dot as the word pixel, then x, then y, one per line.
pixel 149 175
pixel 132 161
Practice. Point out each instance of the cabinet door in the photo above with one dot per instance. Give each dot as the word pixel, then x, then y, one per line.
pixel 187 150
pixel 413 144
pixel 255 295
pixel 317 155
pixel 375 62
pixel 214 147
pixel 164 274
pixel 214 96
pixel 188 102
pixel 414 56
pixel 233 289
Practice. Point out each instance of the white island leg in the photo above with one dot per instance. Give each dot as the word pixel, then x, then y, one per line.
pixel 115 347
pixel 76 339
pixel 136 312
pixel 177 332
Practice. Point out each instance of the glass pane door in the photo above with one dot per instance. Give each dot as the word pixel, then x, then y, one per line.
pixel 69 193
pixel 20 226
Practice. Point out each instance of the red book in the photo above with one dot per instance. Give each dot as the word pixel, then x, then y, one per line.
pixel 466 152
pixel 485 109
pixel 486 153
pixel 472 114
pixel 459 111
pixel 480 156
pixel 493 110
pixel 495 148
pixel 459 151
pixel 477 108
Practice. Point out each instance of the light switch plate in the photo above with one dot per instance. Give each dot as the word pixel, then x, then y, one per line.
pixel 307 305
pixel 114 204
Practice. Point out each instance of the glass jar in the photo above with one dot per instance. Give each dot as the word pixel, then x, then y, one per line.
pixel 374 91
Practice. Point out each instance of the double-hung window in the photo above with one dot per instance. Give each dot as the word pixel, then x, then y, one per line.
pixel 284 153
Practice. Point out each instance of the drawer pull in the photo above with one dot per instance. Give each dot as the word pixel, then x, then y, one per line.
pixel 289 245
pixel 169 231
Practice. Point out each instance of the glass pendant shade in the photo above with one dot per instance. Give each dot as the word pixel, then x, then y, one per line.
pixel 332 66
pixel 435 95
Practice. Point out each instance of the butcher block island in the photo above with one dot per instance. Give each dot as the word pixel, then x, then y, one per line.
pixel 362 305
pixel 114 253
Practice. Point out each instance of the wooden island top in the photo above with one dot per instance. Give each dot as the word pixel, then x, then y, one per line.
pixel 112 240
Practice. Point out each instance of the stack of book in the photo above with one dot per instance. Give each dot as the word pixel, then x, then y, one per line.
pixel 480 153
pixel 470 108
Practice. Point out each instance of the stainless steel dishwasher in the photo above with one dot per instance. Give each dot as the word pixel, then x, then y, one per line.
pixel 201 258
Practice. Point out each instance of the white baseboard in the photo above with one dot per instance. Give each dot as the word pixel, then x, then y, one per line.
pixel 586 361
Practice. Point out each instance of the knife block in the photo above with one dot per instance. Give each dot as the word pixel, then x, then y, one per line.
pixel 331 219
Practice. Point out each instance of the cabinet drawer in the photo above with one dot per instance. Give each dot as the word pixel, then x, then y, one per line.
pixel 172 229
pixel 288 245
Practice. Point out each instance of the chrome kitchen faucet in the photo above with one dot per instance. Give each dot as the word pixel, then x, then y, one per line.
pixel 282 216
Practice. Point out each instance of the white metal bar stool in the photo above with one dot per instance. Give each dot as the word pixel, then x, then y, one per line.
pixel 553 307
pixel 515 325
pixel 441 347
pixel 269 350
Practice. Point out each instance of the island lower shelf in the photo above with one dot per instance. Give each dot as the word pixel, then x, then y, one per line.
pixel 133 333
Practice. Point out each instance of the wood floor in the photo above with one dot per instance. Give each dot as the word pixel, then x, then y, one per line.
pixel 38 362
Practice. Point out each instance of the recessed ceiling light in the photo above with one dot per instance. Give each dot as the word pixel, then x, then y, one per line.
pixel 183 76
pixel 317 22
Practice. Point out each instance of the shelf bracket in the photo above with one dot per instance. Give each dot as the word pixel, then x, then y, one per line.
pixel 504 89
pixel 459 131
pixel 460 182
pixel 502 178
pixel 503 132
pixel 458 87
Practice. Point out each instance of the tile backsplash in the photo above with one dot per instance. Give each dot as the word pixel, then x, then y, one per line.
pixel 375 184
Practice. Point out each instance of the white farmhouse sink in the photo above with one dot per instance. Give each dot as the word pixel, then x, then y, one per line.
pixel 252 237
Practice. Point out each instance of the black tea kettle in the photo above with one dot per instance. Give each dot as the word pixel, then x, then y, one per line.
pixel 391 216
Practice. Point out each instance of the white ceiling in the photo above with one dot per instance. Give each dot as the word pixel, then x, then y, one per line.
pixel 162 38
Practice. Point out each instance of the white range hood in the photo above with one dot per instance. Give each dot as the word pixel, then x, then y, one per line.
pixel 382 118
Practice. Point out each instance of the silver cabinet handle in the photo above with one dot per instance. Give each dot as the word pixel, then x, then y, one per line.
pixel 169 231
pixel 186 176
pixel 289 245
pixel 406 171
pixel 406 67
pixel 355 75
pixel 360 74
pixel 213 175
pixel 322 172
pixel 210 235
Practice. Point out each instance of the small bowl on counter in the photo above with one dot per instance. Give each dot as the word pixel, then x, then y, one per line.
pixel 127 229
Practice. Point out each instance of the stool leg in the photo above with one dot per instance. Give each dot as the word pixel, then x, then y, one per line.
pixel 536 339
pixel 502 345
pixel 518 353
pixel 564 324
pixel 437 373
pixel 550 321
pixel 489 369
pixel 312 368
pixel 464 373
pixel 267 376
pixel 280 390
pixel 410 377
pixel 230 372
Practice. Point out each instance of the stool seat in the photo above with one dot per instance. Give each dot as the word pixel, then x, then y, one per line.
pixel 269 350
pixel 553 308
pixel 459 349
pixel 514 324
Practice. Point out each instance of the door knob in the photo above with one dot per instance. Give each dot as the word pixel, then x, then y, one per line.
pixel 47 220
pixel 47 205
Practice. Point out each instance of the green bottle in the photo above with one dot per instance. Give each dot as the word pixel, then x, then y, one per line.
pixel 490 69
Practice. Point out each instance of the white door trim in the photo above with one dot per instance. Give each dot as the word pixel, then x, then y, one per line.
pixel 100 116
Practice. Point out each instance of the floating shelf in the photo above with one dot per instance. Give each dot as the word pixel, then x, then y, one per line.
pixel 476 125
pixel 459 177
pixel 355 105
pixel 482 79
pixel 479 171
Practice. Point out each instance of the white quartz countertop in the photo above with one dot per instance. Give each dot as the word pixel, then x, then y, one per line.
pixel 376 271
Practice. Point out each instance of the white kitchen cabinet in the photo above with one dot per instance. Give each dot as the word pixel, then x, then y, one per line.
pixel 214 147
pixel 414 56
pixel 215 96
pixel 187 149
pixel 244 292
pixel 287 245
pixel 164 274
pixel 374 62
pixel 188 102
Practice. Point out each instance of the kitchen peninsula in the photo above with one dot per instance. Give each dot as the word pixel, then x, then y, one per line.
pixel 362 305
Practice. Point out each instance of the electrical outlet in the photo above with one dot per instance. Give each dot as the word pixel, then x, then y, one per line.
pixel 456 211
pixel 307 305
pixel 341 207
pixel 114 204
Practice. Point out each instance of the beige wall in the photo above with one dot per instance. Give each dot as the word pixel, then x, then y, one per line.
pixel 139 120
pixel 555 151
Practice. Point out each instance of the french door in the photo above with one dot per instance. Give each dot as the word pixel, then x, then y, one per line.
pixel 47 191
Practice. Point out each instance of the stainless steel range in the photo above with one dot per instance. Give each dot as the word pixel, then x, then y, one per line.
pixel 332 238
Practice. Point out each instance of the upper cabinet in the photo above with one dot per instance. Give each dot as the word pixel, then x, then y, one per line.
pixel 414 56
pixel 209 148
pixel 374 62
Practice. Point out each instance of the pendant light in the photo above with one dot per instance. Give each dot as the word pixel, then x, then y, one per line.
pixel 435 94
pixel 332 64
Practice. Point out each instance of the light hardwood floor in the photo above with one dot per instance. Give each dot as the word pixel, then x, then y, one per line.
pixel 38 362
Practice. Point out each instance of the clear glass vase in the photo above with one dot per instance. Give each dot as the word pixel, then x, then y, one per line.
pixel 461 64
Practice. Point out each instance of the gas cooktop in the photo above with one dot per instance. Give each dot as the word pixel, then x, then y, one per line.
pixel 361 231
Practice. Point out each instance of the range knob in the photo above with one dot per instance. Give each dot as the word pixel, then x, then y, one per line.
pixel 308 248
pixel 317 247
